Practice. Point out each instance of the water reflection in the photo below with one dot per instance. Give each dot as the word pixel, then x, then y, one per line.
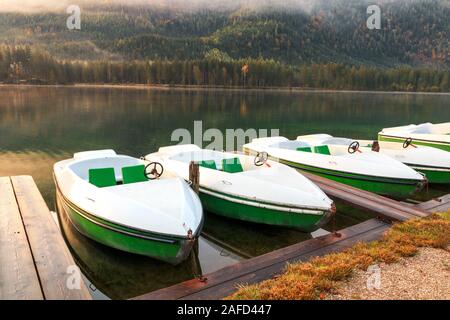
pixel 141 120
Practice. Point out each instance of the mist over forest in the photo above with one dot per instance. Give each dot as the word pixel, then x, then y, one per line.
pixel 293 34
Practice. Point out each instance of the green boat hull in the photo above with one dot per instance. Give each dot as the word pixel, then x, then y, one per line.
pixel 259 214
pixel 434 176
pixel 169 249
pixel 435 144
pixel 400 189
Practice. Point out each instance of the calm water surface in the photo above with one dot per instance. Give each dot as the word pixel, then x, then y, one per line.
pixel 42 125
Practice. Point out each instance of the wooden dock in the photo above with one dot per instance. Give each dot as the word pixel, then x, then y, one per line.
pixel 35 262
pixel 385 208
pixel 441 204
pixel 224 282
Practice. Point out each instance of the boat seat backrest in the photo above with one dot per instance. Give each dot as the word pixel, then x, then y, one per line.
pixel 232 165
pixel 304 149
pixel 210 164
pixel 102 177
pixel 322 150
pixel 133 174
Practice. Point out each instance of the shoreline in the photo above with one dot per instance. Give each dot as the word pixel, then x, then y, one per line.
pixel 353 273
pixel 216 88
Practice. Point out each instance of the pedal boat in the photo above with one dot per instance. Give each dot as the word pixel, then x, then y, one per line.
pixel 366 170
pixel 432 162
pixel 110 199
pixel 425 134
pixel 250 189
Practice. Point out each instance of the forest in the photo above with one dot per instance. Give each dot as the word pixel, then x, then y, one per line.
pixel 326 45
pixel 27 65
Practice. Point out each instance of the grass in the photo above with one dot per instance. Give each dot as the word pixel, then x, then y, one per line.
pixel 319 276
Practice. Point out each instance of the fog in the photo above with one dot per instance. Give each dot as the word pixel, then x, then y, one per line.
pixel 189 5
pixel 61 5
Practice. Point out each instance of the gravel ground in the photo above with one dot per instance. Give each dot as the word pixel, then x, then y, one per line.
pixel 424 276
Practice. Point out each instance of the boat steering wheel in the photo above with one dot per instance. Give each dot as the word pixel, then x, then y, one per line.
pixel 153 170
pixel 353 147
pixel 407 143
pixel 261 158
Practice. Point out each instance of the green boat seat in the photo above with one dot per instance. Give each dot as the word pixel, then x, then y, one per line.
pixel 304 149
pixel 102 177
pixel 232 165
pixel 210 164
pixel 322 150
pixel 134 174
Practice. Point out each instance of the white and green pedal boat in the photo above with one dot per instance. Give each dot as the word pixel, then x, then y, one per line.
pixel 432 162
pixel 425 134
pixel 367 170
pixel 126 203
pixel 250 188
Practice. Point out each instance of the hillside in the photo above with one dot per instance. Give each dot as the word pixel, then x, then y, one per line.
pixel 414 33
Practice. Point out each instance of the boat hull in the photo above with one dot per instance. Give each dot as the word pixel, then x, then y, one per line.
pixel 434 175
pixel 235 208
pixel 169 249
pixel 435 144
pixel 400 189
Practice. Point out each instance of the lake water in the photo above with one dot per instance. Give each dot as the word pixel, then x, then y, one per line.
pixel 42 125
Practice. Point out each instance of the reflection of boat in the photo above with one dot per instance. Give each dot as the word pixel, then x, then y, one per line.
pixel 251 189
pixel 246 239
pixel 365 170
pixel 110 199
pixel 118 274
pixel 425 134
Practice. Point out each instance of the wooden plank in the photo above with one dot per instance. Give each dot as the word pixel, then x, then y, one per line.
pixel 434 203
pixel 429 204
pixel 18 277
pixel 270 261
pixel 380 209
pixel 387 207
pixel 371 196
pixel 445 198
pixel 444 207
pixel 51 255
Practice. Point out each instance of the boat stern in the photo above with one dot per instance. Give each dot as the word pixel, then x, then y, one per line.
pixel 327 217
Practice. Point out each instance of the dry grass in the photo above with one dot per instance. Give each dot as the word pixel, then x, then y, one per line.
pixel 318 277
